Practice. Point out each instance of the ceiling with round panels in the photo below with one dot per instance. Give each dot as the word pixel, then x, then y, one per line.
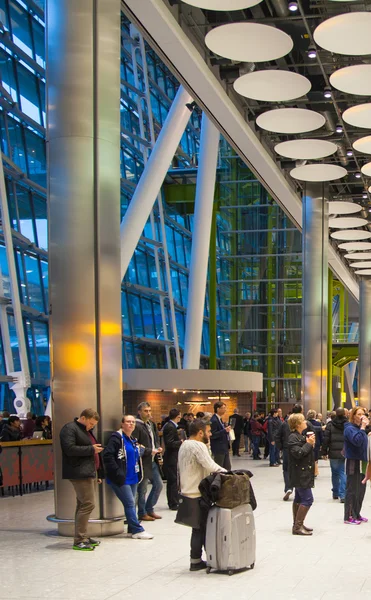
pixel 346 222
pixel 272 85
pixel 363 145
pixel 351 234
pixel 221 4
pixel 363 272
pixel 358 256
pixel 306 149
pixel 290 120
pixel 358 116
pixel 347 34
pixel 366 169
pixel 361 265
pixel 349 246
pixel 355 79
pixel 318 172
pixel 343 208
pixel 249 42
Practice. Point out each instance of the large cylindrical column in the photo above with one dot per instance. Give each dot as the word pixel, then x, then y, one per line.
pixel 153 176
pixel 315 297
pixel 206 175
pixel 364 360
pixel 83 87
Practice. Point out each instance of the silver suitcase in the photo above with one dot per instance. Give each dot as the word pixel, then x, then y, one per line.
pixel 230 539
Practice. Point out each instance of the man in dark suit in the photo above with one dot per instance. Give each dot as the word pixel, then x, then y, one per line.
pixel 220 436
pixel 237 423
pixel 172 444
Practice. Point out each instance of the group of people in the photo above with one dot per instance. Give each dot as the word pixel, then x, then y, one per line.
pixel 13 429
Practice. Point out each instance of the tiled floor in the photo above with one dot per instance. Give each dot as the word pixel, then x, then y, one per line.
pixel 331 565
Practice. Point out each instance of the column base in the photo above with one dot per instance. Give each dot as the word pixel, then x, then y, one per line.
pixel 97 527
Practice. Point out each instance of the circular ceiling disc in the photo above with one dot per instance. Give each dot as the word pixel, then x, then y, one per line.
pixel 353 80
pixel 366 169
pixel 290 120
pixel 348 33
pixel 349 246
pixel 347 222
pixel 358 116
pixel 223 5
pixel 351 234
pixel 363 145
pixel 319 172
pixel 358 255
pixel 361 265
pixel 249 42
pixel 272 85
pixel 363 272
pixel 343 208
pixel 305 149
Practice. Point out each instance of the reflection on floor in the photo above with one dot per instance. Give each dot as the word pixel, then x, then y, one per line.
pixel 331 565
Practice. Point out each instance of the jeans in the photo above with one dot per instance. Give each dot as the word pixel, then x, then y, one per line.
pixel 85 490
pixel 145 507
pixel 247 439
pixel 255 446
pixel 338 476
pixel 274 454
pixel 126 494
pixel 303 496
pixel 285 469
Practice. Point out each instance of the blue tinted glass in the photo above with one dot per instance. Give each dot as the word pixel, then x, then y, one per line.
pixel 8 75
pixel 17 154
pixel 42 347
pixel 137 317
pixel 35 298
pixel 125 314
pixel 14 343
pixel 45 282
pixel 36 157
pixel 26 224
pixel 149 328
pixel 20 27
pixel 41 223
pixel 28 91
pixel 39 41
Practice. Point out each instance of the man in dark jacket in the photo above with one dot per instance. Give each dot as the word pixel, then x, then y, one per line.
pixel 11 431
pixel 219 441
pixel 236 422
pixel 257 433
pixel 81 465
pixel 274 426
pixel 146 434
pixel 332 448
pixel 172 445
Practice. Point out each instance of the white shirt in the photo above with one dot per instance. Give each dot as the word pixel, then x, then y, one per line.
pixel 194 464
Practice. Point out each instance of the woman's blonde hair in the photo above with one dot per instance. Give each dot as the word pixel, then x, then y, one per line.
pixel 311 414
pixel 295 420
pixel 353 413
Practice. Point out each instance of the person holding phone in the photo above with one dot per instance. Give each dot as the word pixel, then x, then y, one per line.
pixel 355 451
pixel 301 471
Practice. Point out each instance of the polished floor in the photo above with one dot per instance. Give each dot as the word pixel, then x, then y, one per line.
pixel 334 564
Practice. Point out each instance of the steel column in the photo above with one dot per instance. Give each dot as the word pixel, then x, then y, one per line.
pixel 329 339
pixel 206 176
pixel 315 293
pixel 83 99
pixel 364 360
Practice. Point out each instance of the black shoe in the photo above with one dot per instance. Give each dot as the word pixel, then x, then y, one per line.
pixel 85 546
pixel 93 542
pixel 335 497
pixel 174 507
pixel 198 566
pixel 342 500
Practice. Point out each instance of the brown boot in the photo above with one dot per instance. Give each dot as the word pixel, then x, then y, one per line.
pixel 295 508
pixel 298 528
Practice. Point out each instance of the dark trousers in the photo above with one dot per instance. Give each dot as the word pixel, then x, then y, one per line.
pixel 236 444
pixel 85 490
pixel 274 454
pixel 285 469
pixel 303 496
pixel 223 460
pixel 255 446
pixel 171 485
pixel 198 538
pixel 355 490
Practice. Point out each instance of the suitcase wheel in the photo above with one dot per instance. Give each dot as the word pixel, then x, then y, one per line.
pixel 208 569
pixel 230 572
pixel 252 566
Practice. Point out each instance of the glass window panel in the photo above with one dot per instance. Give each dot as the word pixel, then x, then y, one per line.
pixel 129 354
pixel 137 325
pixel 12 204
pixel 3 14
pixel 45 281
pixel 39 42
pixel 26 223
pixel 8 75
pixel 20 25
pixel 125 314
pixel 142 271
pixel 36 157
pixel 18 154
pixel 2 360
pixel 175 286
pixel 42 347
pixel 28 92
pixel 22 278
pixel 149 326
pixel 31 350
pixel 131 273
pixel 179 317
pixel 184 288
pixel 40 211
pixel 14 343
pixel 35 298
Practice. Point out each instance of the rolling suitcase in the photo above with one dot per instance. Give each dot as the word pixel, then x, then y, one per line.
pixel 230 539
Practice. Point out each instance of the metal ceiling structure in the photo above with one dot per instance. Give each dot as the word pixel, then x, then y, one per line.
pixel 177 32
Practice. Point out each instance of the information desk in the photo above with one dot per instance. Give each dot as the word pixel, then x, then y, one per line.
pixel 26 462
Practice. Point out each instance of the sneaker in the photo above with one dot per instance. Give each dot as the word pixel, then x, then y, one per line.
pixel 287 495
pixel 198 566
pixel 142 535
pixel 84 546
pixel 362 519
pixel 93 542
pixel 352 521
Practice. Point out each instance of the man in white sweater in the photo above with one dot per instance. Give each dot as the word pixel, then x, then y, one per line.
pixel 194 464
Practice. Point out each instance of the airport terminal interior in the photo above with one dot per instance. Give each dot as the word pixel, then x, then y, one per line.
pixel 185 201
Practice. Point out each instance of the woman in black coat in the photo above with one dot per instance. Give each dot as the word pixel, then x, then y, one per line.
pixel 301 469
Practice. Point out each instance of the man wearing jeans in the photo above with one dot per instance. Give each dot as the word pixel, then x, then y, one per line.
pixel 81 465
pixel 332 447
pixel 146 434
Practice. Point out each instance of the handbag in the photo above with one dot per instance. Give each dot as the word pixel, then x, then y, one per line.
pixel 189 512
pixel 234 490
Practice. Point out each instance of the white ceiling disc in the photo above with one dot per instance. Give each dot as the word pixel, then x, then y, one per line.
pixel 305 149
pixel 358 116
pixel 353 80
pixel 318 172
pixel 224 4
pixel 366 169
pixel 351 234
pixel 290 120
pixel 343 208
pixel 358 255
pixel 347 222
pixel 349 246
pixel 363 145
pixel 249 42
pixel 363 272
pixel 272 85
pixel 361 265
pixel 348 33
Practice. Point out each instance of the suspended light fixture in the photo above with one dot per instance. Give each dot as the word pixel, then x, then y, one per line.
pixel 312 52
pixel 293 6
pixel 327 92
pixel 349 152
pixel 339 128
